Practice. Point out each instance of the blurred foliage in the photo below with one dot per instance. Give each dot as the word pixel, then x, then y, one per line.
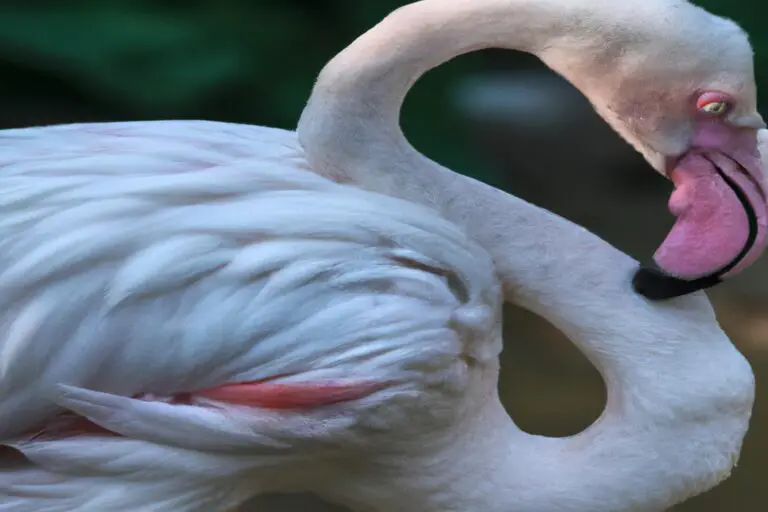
pixel 235 60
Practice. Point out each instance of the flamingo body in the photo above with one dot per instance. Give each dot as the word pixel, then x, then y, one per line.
pixel 150 260
pixel 196 313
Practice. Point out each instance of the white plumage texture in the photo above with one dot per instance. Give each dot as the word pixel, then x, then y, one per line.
pixel 167 257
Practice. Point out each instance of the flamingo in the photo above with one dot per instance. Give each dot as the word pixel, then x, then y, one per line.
pixel 196 313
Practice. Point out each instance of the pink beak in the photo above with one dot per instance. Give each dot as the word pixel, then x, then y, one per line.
pixel 722 214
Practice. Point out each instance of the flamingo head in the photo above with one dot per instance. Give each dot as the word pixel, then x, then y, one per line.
pixel 678 84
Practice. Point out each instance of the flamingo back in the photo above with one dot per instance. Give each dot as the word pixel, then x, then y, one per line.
pixel 142 261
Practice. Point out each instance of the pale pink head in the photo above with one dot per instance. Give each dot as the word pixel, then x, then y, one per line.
pixel 678 84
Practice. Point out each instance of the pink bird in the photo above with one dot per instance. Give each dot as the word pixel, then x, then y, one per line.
pixel 197 313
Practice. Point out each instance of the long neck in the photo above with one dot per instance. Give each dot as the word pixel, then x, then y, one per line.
pixel 679 394
pixel 350 126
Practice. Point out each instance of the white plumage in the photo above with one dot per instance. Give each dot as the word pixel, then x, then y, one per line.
pixel 131 271
pixel 142 264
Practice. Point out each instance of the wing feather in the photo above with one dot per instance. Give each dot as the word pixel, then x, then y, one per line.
pixel 173 256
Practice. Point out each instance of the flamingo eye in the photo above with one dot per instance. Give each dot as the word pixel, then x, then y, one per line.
pixel 713 104
pixel 715 108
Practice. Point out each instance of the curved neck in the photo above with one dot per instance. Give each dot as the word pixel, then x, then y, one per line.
pixel 351 122
pixel 679 394
pixel 350 130
pixel 670 414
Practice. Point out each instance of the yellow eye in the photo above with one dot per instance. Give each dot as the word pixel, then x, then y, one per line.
pixel 714 108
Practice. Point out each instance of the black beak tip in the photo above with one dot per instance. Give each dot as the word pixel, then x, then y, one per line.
pixel 654 284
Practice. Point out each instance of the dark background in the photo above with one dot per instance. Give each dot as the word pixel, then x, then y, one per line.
pixel 494 115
